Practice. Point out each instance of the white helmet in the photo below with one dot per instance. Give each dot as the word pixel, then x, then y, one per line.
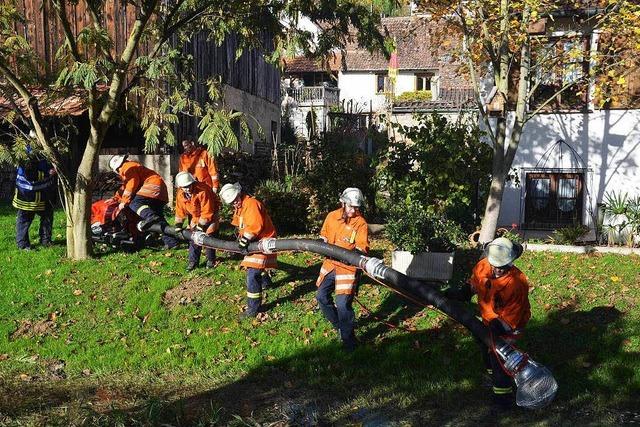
pixel 184 179
pixel 502 252
pixel 117 161
pixel 352 196
pixel 229 192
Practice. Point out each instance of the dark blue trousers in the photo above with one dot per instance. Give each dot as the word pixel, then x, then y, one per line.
pixel 257 280
pixel 24 220
pixel 196 250
pixel 152 209
pixel 340 314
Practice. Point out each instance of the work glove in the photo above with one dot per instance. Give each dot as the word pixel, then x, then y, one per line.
pixel 499 328
pixel 243 243
pixel 178 229
pixel 199 228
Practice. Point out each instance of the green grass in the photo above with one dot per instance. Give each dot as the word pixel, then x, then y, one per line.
pixel 131 360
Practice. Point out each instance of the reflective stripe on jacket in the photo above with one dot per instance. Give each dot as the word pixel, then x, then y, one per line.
pixel 202 166
pixel 34 187
pixel 141 181
pixel 252 218
pixel 351 233
pixel 506 298
pixel 202 206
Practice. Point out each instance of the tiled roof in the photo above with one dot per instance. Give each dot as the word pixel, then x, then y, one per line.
pixel 301 64
pixel 415 50
pixel 50 104
pixel 449 99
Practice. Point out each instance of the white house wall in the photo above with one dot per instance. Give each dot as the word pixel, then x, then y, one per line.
pixel 360 89
pixel 608 142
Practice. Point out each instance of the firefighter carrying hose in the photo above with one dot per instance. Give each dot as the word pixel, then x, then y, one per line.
pixel 143 191
pixel 345 227
pixel 503 300
pixel 197 202
pixel 254 223
pixel 198 162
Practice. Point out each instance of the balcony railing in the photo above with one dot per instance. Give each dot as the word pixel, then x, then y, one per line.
pixel 315 95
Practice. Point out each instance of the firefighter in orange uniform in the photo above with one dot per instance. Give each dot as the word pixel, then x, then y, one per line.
pixel 197 202
pixel 199 163
pixel 346 228
pixel 503 300
pixel 143 191
pixel 253 222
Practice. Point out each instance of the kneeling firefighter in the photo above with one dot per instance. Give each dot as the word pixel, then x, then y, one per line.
pixel 143 191
pixel 503 301
pixel 345 227
pixel 197 202
pixel 254 223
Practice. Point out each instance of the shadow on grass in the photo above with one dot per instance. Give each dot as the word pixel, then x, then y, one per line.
pixel 394 380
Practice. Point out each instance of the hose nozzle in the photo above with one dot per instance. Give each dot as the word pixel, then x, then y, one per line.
pixel 535 385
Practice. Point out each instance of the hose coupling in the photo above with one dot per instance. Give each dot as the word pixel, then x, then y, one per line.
pixel 513 359
pixel 267 246
pixel 197 237
pixel 375 267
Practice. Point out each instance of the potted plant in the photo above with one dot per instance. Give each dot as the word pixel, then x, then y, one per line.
pixel 425 241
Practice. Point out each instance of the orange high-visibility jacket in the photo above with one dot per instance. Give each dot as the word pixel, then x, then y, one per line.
pixel 202 166
pixel 253 221
pixel 506 298
pixel 202 206
pixel 141 181
pixel 350 233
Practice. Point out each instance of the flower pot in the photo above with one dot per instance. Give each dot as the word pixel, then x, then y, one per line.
pixel 424 265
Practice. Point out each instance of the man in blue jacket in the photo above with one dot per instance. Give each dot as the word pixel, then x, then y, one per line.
pixel 35 189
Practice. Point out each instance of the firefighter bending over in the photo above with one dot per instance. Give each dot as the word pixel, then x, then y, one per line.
pixel 345 227
pixel 503 300
pixel 144 192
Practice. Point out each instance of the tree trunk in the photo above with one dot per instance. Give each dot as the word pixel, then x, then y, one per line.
pixel 492 210
pixel 79 245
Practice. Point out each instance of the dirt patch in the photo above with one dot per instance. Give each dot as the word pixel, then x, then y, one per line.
pixel 186 292
pixel 29 329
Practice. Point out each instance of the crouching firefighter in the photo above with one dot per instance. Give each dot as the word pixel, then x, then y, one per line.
pixel 144 192
pixel 196 202
pixel 346 228
pixel 503 301
pixel 254 223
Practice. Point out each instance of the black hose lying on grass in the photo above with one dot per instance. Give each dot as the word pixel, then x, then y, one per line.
pixel 536 386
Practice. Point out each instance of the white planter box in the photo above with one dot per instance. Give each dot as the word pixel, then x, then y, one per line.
pixel 424 265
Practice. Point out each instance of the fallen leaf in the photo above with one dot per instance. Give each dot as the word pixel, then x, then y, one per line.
pixel 77 292
pixel 615 279
pixel 86 372
pixel 4 356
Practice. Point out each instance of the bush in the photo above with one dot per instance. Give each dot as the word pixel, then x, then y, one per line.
pixel 338 165
pixel 569 235
pixel 238 166
pixel 286 204
pixel 412 228
pixel 418 95
pixel 444 166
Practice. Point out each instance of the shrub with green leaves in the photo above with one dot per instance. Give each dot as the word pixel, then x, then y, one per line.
pixel 412 228
pixel 569 235
pixel 442 164
pixel 339 164
pixel 287 206
pixel 418 95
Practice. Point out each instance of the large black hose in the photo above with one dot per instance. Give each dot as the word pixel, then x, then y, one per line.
pixel 536 387
pixel 418 291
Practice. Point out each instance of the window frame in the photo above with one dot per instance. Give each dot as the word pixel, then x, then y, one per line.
pixel 555 217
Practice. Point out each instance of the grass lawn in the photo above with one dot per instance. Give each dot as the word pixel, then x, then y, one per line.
pixel 131 339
